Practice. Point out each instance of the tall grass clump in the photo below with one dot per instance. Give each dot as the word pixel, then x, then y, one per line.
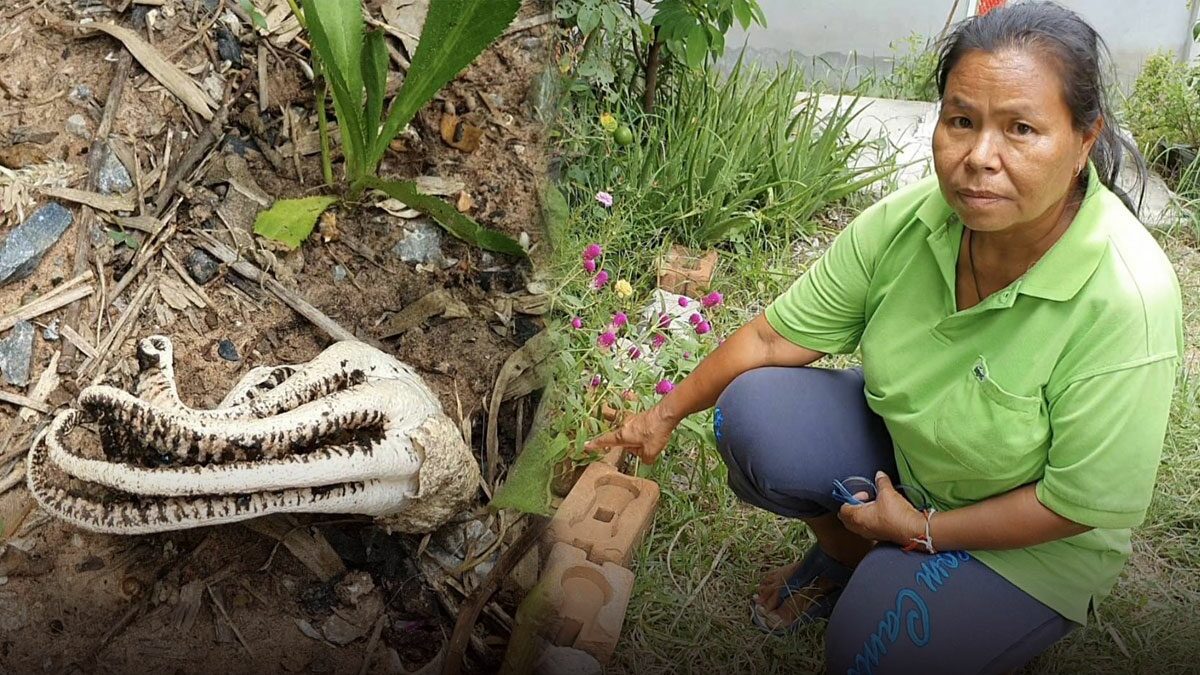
pixel 745 152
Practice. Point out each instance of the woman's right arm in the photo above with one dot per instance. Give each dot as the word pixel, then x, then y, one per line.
pixel 754 345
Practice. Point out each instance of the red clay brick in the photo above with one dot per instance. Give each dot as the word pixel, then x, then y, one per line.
pixel 606 514
pixel 686 272
pixel 587 601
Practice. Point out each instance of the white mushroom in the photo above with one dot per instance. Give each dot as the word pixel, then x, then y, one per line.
pixel 352 431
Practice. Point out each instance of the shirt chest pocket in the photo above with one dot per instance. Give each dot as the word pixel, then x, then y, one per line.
pixel 989 429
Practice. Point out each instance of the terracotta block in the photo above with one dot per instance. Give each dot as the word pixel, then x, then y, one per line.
pixel 587 601
pixel 606 514
pixel 686 272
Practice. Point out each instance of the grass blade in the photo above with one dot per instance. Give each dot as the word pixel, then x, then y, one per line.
pixel 336 28
pixel 446 215
pixel 375 70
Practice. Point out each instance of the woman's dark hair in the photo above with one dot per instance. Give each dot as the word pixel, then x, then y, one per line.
pixel 1081 57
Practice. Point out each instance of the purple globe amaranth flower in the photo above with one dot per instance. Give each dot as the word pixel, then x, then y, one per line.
pixel 635 353
pixel 664 320
pixel 658 341
pixel 695 319
pixel 664 387
pixel 687 356
pixel 576 323
pixel 590 266
pixel 683 302
pixel 600 280
pixel 703 327
pixel 606 339
pixel 605 199
pixel 712 299
pixel 620 319
pixel 592 251
pixel 595 382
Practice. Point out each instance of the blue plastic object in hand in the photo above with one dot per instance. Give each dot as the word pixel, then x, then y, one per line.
pixel 843 495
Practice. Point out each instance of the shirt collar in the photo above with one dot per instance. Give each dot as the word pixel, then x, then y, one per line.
pixel 1069 263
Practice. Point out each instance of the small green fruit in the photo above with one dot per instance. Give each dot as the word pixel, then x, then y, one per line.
pixel 623 135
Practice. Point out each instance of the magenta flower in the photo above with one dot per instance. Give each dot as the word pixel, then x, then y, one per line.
pixel 605 199
pixel 712 299
pixel 595 381
pixel 658 341
pixel 600 280
pixel 635 353
pixel 592 251
pixel 576 323
pixel 703 327
pixel 619 319
pixel 664 320
pixel 589 265
pixel 683 302
pixel 606 339
pixel 695 319
pixel 687 356
pixel 664 387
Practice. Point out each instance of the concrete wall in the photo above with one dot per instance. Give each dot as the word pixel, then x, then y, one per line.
pixel 830 38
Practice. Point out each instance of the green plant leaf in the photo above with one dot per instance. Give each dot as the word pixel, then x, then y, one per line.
pixel 556 214
pixel 455 32
pixel 1196 32
pixel 587 19
pixel 375 70
pixel 446 215
pixel 527 488
pixel 697 46
pixel 256 16
pixel 124 238
pixel 336 28
pixel 290 221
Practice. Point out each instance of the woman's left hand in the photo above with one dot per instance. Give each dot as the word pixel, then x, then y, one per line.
pixel 889 517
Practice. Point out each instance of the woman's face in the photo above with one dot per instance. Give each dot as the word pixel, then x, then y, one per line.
pixel 1005 149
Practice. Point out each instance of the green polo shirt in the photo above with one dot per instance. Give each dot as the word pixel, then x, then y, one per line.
pixel 1063 379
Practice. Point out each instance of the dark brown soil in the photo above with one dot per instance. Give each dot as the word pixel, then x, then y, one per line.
pixel 54 621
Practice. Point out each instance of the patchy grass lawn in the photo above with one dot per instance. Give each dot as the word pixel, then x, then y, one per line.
pixel 707 551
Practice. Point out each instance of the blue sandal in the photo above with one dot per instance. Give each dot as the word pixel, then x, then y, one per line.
pixel 816 565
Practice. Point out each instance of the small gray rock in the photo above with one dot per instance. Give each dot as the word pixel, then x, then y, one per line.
pixel 227 350
pixel 51 331
pixel 80 94
pixel 422 243
pixel 114 177
pixel 78 125
pixel 16 351
pixel 23 248
pixel 201 266
pixel 532 44
pixel 566 661
pixel 339 273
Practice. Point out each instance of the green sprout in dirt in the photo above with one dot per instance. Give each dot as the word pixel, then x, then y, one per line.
pixel 352 65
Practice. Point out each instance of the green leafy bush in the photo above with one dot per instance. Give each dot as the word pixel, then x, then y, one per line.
pixel 1164 109
pixel 914 70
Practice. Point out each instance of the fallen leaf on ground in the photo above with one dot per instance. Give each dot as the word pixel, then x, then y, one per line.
pixel 163 70
pixel 290 221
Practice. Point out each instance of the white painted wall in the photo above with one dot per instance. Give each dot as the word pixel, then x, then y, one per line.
pixel 845 34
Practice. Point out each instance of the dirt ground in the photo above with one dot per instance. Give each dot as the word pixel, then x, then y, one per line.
pixel 75 601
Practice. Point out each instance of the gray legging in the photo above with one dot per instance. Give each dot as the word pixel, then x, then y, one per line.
pixel 786 434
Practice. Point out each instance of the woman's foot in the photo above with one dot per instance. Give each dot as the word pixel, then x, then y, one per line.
pixel 800 592
pixel 784 612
